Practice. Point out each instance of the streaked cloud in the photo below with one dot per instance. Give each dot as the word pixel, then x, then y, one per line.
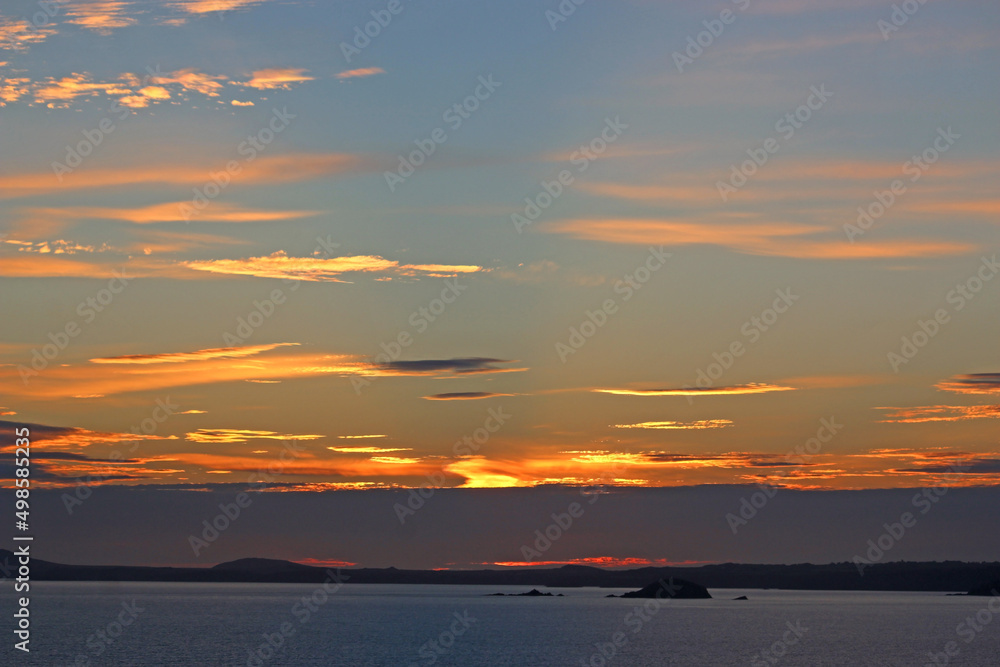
pixel 975 383
pixel 235 435
pixel 463 396
pixel 18 35
pixel 278 78
pixel 358 73
pixel 680 426
pixel 67 437
pixel 265 169
pixel 170 212
pixel 368 450
pixel 363 436
pixel 771 239
pixel 940 413
pixel 448 367
pixel 200 355
pixel 319 269
pixel 209 6
pixel 752 388
pixel 101 16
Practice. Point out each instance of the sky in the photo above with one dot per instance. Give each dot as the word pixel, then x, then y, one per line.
pixel 322 248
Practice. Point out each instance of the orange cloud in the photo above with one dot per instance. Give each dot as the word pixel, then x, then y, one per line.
pixel 479 473
pixel 209 6
pixel 101 16
pixel 60 92
pixel 318 269
pixel 356 73
pixel 681 426
pixel 752 388
pixel 463 396
pixel 976 383
pixel 200 355
pixel 18 35
pixel 940 413
pixel 771 239
pixel 192 79
pixel 366 435
pixel 277 78
pixel 170 212
pixel 235 435
pixel 368 450
pixel 266 169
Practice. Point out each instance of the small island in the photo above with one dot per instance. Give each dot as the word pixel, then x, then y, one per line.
pixel 533 593
pixel 670 588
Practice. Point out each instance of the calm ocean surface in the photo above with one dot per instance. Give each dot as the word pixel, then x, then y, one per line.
pixel 368 624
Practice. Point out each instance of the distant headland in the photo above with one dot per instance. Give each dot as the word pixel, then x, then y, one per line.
pixel 946 576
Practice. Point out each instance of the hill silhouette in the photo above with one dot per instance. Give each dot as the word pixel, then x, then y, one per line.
pixel 947 576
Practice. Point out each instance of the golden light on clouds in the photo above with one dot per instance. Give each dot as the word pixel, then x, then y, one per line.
pixel 752 388
pixel 278 78
pixel 319 269
pixel 680 426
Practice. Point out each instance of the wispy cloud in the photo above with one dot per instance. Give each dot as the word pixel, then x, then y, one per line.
pixel 101 16
pixel 463 396
pixel 940 413
pixel 319 269
pixel 680 426
pixel 200 355
pixel 278 78
pixel 266 169
pixel 752 388
pixel 368 450
pixel 771 239
pixel 209 6
pixel 235 435
pixel 169 212
pixel 18 35
pixel 358 73
pixel 976 383
pixel 448 367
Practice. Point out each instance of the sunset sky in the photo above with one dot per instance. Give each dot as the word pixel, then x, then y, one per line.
pixel 237 228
